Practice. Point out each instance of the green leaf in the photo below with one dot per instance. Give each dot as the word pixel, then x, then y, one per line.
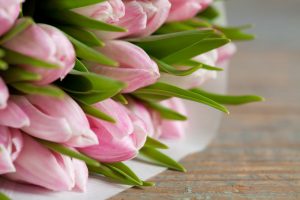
pixel 120 98
pixel 1 53
pixel 79 66
pixel 68 152
pixel 69 4
pixel 29 88
pixel 90 110
pixel 229 99
pixel 193 63
pixel 23 24
pixel 210 13
pixel 165 112
pixel 153 143
pixel 15 74
pixel 114 175
pixel 164 67
pixel 68 17
pixel 236 33
pixel 89 87
pixel 195 50
pixel 15 58
pixel 3 196
pixel 84 36
pixel 85 52
pixel 125 171
pixel 161 46
pixel 166 90
pixel 159 158
pixel 3 65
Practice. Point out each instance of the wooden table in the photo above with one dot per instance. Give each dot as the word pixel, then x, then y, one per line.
pixel 257 152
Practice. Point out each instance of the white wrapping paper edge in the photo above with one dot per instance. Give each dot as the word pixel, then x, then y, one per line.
pixel 203 126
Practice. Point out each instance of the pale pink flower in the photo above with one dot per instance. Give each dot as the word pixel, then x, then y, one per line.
pixel 120 141
pixel 57 120
pixel 136 68
pixel 183 10
pixel 47 43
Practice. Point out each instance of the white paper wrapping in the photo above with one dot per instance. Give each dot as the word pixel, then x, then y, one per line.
pixel 203 125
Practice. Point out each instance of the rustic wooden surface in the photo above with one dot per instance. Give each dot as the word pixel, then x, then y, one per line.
pixel 257 152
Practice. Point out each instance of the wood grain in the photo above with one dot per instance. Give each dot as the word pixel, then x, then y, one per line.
pixel 257 152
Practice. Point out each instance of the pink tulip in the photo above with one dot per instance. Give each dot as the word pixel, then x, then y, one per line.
pixel 120 141
pixel 11 143
pixel 198 77
pixel 144 115
pixel 9 11
pixel 3 94
pixel 81 175
pixel 136 67
pixel 171 129
pixel 13 116
pixel 57 120
pixel 139 17
pixel 225 53
pixel 183 10
pixel 46 43
pixel 109 11
pixel 39 166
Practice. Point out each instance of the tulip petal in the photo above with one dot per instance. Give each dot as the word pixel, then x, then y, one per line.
pixel 43 126
pixel 123 126
pixel 3 94
pixel 13 116
pixel 81 175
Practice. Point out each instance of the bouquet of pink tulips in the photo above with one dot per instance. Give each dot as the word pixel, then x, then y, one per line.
pixel 88 84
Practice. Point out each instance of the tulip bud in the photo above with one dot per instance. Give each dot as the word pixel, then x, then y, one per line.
pixel 3 94
pixel 183 10
pixel 139 17
pixel 144 115
pixel 57 120
pixel 198 77
pixel 40 166
pixel 171 129
pixel 136 67
pixel 9 11
pixel 11 143
pixel 112 147
pixel 46 43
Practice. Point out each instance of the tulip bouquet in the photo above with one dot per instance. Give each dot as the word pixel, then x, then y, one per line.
pixel 88 84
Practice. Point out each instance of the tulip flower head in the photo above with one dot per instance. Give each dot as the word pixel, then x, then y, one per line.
pixel 46 43
pixel 117 142
pixel 136 67
pixel 183 10
pixel 57 120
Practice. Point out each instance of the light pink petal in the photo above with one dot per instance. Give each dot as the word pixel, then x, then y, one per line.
pixel 39 166
pixel 226 52
pixel 173 129
pixel 68 110
pixel 11 144
pixel 182 10
pixel 44 126
pixel 3 94
pixel 81 175
pixel 13 116
pixel 123 126
pixel 9 12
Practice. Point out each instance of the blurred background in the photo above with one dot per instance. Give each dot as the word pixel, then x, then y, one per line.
pixel 257 152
